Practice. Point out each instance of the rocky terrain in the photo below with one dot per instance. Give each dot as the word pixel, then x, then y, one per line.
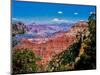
pixel 47 47
pixel 54 47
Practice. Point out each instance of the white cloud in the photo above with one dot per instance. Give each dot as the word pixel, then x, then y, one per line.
pixel 75 13
pixel 59 20
pixel 81 20
pixel 14 19
pixel 60 12
pixel 55 19
pixel 92 12
pixel 17 19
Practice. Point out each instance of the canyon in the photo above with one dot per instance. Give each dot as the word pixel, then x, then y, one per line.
pixel 48 47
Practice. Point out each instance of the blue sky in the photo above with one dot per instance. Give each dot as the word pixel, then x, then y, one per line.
pixel 47 13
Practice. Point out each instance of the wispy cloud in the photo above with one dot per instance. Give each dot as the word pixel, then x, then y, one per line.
pixel 81 20
pixel 59 20
pixel 76 13
pixel 92 12
pixel 14 19
pixel 60 12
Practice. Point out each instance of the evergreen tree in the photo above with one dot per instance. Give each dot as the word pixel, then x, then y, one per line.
pixel 88 59
pixel 24 61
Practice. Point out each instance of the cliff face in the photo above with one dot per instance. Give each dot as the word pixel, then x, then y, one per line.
pixel 18 28
pixel 57 43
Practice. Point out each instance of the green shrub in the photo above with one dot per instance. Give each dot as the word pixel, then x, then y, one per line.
pixel 24 61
